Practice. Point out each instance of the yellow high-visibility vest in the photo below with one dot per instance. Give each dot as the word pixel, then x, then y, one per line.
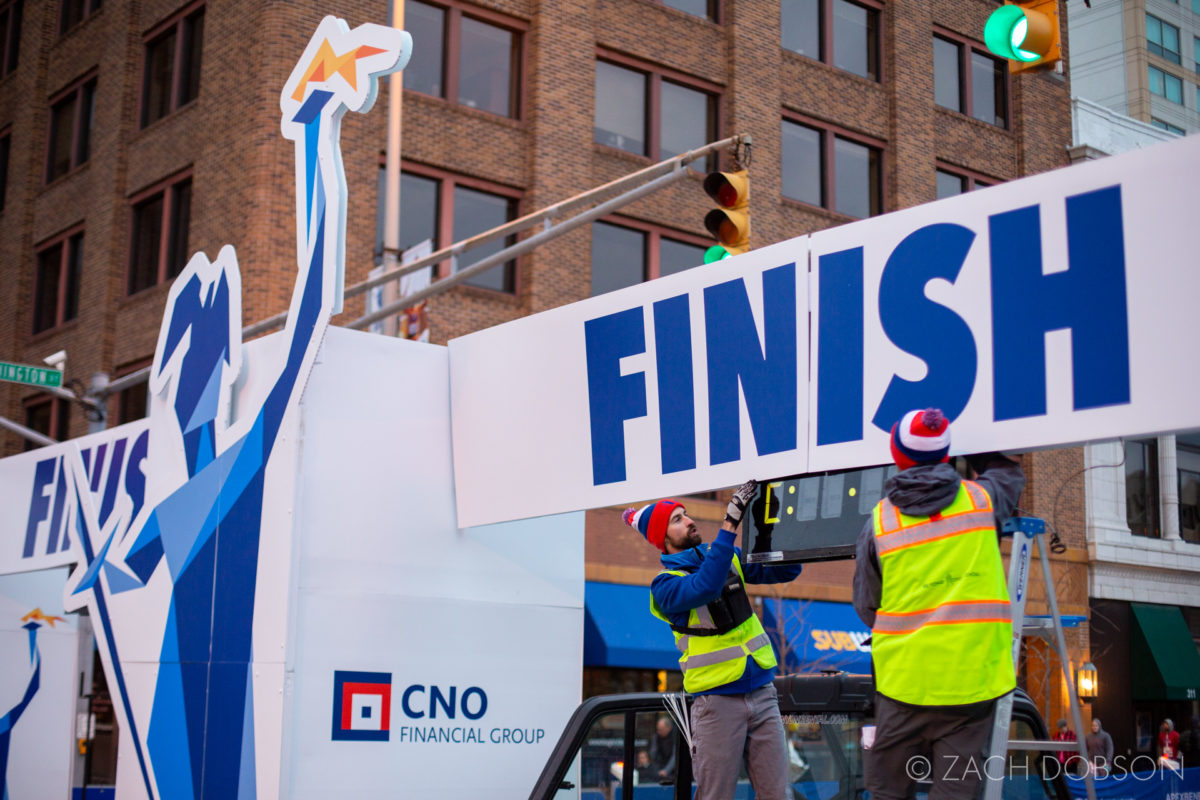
pixel 709 661
pixel 943 631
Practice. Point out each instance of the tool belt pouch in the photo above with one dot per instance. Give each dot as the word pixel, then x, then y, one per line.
pixel 728 611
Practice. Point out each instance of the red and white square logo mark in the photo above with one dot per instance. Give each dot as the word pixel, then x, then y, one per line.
pixel 362 703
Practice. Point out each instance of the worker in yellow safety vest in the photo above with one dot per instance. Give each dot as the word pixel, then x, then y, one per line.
pixel 929 583
pixel 727 660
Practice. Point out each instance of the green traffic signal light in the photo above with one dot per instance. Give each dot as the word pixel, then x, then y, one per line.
pixel 1018 33
pixel 716 253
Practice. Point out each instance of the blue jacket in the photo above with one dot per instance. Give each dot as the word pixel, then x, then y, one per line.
pixel 707 565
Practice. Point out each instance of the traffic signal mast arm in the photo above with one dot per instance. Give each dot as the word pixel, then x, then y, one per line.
pixel 630 187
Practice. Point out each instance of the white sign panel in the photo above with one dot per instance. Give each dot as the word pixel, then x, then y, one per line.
pixel 1043 312
pixel 37 515
pixel 38 686
pixel 687 380
pixel 418 648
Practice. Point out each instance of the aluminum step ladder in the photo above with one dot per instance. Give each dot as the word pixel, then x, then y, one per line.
pixel 1025 532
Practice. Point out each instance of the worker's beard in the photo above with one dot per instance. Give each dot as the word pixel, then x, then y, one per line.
pixel 691 538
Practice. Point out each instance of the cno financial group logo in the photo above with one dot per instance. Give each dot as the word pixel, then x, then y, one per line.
pixel 428 713
pixel 362 705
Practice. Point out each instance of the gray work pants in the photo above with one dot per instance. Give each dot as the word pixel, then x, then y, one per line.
pixel 914 743
pixel 727 728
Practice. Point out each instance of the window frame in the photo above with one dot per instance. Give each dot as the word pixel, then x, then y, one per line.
pixel 1167 76
pixel 81 90
pixel 1162 124
pixel 119 403
pixel 181 24
pixel 655 74
pixel 168 188
pixel 825 37
pixel 90 7
pixel 5 163
pixel 966 86
pixel 63 239
pixel 713 16
pixel 446 181
pixel 654 233
pixel 10 46
pixel 60 417
pixel 1150 492
pixel 830 133
pixel 1173 56
pixel 975 180
pixel 1181 449
pixel 451 46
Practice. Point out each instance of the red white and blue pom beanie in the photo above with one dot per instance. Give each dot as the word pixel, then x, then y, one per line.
pixel 921 437
pixel 651 521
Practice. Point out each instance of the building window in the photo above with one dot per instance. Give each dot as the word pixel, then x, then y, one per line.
pixel 1187 453
pixel 1166 85
pixel 71 113
pixel 952 181
pixel 448 208
pixel 159 237
pixel 1141 487
pixel 650 112
pixel 171 76
pixel 968 80
pixel 1166 126
pixel 476 211
pixel 131 402
pixel 74 12
pixel 10 35
pixel 699 8
pixel 1196 51
pixel 5 148
pixel 632 252
pixel 1162 39
pixel 56 285
pixel 838 170
pixel 474 60
pixel 838 32
pixel 49 416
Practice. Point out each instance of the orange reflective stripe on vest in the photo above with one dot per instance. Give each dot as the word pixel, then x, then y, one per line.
pixel 932 530
pixel 946 614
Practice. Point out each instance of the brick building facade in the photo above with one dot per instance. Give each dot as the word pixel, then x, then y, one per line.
pixel 174 127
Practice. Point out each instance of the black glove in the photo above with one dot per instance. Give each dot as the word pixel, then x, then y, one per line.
pixel 741 499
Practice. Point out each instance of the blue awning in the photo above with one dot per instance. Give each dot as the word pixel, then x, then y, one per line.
pixel 620 631
pixel 812 635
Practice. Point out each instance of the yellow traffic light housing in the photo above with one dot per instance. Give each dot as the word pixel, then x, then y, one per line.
pixel 1026 32
pixel 729 223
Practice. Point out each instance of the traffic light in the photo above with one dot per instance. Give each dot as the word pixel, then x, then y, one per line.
pixel 729 223
pixel 1026 33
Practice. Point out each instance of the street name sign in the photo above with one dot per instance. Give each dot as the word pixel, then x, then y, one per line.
pixel 34 376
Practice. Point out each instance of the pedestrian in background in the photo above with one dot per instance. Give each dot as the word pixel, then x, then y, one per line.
pixel 1099 749
pixel 1065 734
pixel 1168 741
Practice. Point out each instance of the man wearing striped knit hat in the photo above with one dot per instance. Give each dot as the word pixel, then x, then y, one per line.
pixel 727 660
pixel 929 583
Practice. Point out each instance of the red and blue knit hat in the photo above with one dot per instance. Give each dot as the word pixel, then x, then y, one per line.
pixel 651 521
pixel 921 437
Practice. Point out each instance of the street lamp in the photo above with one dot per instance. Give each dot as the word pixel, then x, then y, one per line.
pixel 1085 681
